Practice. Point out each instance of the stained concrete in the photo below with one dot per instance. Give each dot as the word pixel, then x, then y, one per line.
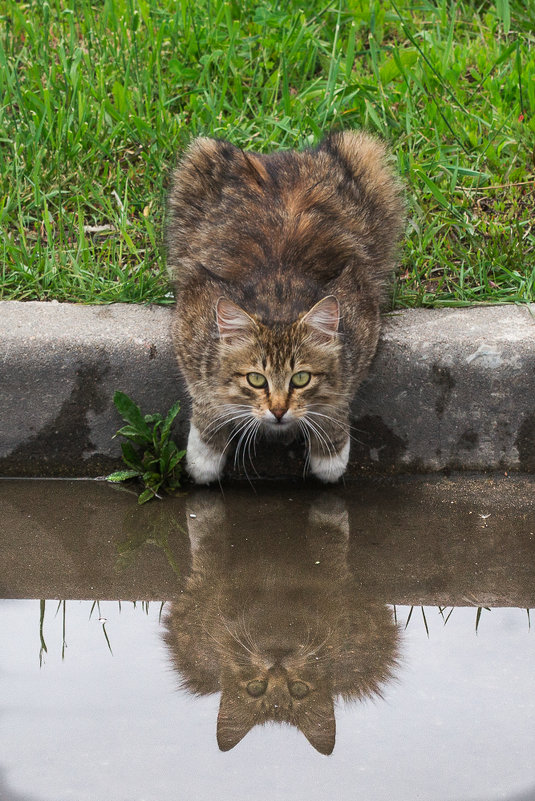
pixel 60 366
pixel 450 389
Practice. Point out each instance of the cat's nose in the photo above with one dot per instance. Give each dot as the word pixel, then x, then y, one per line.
pixel 277 655
pixel 279 412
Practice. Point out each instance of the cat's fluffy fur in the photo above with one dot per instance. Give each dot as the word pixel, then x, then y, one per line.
pixel 279 263
pixel 284 611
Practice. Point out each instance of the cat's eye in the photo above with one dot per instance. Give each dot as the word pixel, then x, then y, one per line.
pixel 298 689
pixel 300 379
pixel 256 688
pixel 257 380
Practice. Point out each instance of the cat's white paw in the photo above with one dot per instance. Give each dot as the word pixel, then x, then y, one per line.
pixel 330 468
pixel 204 464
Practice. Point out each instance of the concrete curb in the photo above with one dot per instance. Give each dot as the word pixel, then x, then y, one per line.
pixel 450 389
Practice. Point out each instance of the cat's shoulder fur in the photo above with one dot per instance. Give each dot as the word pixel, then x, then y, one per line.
pixel 232 213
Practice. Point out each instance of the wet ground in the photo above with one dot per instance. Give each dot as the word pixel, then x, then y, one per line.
pixel 370 642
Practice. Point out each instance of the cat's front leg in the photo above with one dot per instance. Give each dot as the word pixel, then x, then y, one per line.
pixel 329 463
pixel 205 455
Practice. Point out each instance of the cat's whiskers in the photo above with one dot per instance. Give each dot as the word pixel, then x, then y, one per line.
pixel 222 416
pixel 224 649
pixel 227 422
pixel 321 436
pixel 322 405
pixel 234 636
pixel 348 427
pixel 303 647
pixel 344 426
pixel 229 440
pixel 237 639
pixel 304 430
pixel 232 412
pixel 245 630
pixel 221 645
pixel 251 440
pixel 237 432
pixel 245 440
pixel 243 429
pixel 315 648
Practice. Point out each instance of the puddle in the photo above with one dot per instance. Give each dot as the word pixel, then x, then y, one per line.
pixel 385 624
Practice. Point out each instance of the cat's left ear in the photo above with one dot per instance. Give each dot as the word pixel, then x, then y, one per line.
pixel 233 323
pixel 232 726
pixel 323 318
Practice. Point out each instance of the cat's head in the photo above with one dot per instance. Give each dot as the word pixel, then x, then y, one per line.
pixel 280 376
pixel 252 695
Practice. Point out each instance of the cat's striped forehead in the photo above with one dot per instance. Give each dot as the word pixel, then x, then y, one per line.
pixel 287 348
pixel 280 348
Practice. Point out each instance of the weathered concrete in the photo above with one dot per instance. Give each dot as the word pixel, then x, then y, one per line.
pixel 59 368
pixel 450 389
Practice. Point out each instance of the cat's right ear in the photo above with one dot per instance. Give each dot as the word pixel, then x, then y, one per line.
pixel 233 323
pixel 323 319
pixel 207 164
pixel 202 167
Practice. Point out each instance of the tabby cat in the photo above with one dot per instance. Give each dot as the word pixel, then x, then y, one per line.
pixel 277 624
pixel 279 263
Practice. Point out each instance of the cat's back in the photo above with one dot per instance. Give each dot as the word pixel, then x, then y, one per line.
pixel 263 221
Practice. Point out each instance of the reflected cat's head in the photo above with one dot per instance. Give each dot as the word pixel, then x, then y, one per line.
pixel 254 695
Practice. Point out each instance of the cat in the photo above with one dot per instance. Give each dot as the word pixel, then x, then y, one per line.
pixel 277 624
pixel 279 263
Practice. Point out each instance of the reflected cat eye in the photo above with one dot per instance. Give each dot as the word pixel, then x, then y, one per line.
pixel 298 689
pixel 300 379
pixel 257 380
pixel 256 688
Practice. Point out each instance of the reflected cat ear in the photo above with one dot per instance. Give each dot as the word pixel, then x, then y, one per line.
pixel 324 318
pixel 231 726
pixel 319 726
pixel 232 322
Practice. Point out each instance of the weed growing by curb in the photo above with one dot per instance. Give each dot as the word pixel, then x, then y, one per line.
pixel 156 460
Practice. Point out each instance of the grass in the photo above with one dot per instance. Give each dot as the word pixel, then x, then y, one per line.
pixel 43 651
pixel 97 98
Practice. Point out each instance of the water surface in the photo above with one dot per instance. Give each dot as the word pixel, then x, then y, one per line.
pixel 158 653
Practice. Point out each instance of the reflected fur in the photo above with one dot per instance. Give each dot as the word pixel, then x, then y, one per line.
pixel 281 610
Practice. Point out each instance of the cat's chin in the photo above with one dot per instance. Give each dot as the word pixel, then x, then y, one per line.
pixel 282 430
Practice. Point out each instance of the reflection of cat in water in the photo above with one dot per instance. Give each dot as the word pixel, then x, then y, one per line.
pixel 277 624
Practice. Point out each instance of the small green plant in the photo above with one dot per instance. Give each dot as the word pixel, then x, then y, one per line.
pixel 149 453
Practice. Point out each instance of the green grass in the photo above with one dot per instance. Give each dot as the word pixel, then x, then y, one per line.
pixel 97 98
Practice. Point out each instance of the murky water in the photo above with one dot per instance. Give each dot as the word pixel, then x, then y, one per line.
pixel 385 625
